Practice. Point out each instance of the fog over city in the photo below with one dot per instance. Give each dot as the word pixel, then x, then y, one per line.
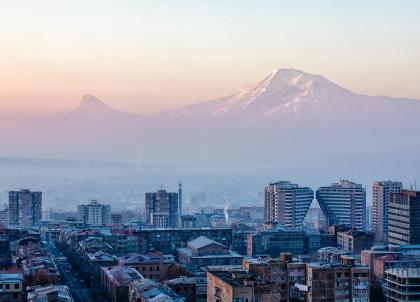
pixel 289 125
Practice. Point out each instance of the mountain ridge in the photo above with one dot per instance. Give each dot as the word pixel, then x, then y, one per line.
pixel 288 114
pixel 282 92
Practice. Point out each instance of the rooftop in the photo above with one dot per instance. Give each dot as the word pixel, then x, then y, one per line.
pixel 135 258
pixel 11 277
pixel 406 272
pixel 235 279
pixel 187 252
pixel 101 256
pixel 201 242
pixel 122 275
pixel 181 280
pixel 155 291
pixel 39 294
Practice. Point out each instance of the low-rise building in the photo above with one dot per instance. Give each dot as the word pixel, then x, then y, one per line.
pixel 116 219
pixel 51 293
pixel 122 241
pixel 354 241
pixel 168 240
pixel 151 265
pixel 337 282
pixel 40 270
pixel 239 286
pixel 277 240
pixel 93 245
pixel 11 287
pixel 203 251
pixel 283 273
pixel 50 234
pixel 147 290
pixel 93 264
pixel 115 281
pixel 188 221
pixel 25 248
pixel 330 254
pixel 185 287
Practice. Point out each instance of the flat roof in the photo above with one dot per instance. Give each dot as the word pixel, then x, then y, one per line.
pixel 406 272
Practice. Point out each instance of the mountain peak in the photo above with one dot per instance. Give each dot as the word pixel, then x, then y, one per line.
pixel 282 91
pixel 91 101
pixel 281 80
pixel 90 107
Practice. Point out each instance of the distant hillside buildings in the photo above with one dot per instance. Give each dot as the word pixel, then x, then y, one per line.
pixel 25 208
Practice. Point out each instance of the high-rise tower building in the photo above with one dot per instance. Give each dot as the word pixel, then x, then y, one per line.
pixel 381 194
pixel 343 203
pixel 287 203
pixel 25 208
pixel 162 209
pixel 94 213
pixel 180 199
pixel 404 218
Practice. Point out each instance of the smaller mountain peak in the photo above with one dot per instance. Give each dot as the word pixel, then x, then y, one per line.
pixel 90 106
pixel 91 100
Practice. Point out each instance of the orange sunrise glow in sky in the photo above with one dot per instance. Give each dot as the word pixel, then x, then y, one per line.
pixel 148 56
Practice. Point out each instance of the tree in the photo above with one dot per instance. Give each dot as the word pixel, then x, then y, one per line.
pixel 376 291
pixel 42 278
pixel 176 270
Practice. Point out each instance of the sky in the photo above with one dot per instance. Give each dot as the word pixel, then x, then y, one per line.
pixel 148 56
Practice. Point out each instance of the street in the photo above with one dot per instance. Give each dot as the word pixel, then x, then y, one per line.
pixel 71 278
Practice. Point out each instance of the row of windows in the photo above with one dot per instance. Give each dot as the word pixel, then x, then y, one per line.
pixel 150 268
pixel 9 286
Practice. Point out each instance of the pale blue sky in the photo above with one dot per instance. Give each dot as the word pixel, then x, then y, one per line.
pixel 152 55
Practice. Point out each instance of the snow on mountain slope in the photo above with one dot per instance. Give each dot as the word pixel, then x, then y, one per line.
pixel 285 92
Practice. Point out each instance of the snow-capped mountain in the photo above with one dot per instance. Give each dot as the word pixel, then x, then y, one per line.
pixel 289 114
pixel 288 92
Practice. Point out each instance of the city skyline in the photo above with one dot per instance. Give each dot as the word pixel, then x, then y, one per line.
pixel 209 151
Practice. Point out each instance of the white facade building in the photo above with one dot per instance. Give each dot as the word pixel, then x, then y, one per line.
pixel 344 203
pixel 287 203
pixel 94 213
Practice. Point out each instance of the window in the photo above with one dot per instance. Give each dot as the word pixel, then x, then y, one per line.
pixel 16 286
pixel 7 286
